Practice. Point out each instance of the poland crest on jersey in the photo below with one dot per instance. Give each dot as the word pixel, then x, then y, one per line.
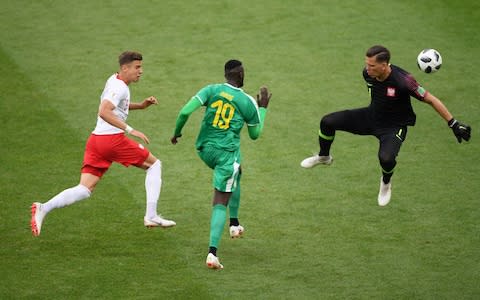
pixel 390 91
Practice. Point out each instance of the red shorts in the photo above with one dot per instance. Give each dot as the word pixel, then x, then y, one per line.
pixel 102 150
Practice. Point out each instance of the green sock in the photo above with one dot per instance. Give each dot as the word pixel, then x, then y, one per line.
pixel 234 203
pixel 217 222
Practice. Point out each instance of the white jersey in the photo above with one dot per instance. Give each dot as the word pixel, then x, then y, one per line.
pixel 117 92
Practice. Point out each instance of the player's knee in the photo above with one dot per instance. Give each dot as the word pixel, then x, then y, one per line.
pixel 387 160
pixel 327 124
pixel 84 191
pixel 326 121
pixel 157 164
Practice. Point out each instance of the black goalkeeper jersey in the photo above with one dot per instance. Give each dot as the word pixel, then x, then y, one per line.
pixel 390 104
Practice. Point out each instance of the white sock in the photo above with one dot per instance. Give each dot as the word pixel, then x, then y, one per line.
pixel 67 197
pixel 153 184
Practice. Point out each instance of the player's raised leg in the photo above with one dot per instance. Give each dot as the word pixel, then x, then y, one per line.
pixel 323 157
pixel 326 135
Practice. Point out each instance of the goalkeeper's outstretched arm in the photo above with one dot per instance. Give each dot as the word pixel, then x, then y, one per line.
pixel 460 130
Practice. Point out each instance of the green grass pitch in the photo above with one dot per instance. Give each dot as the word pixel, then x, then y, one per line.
pixel 310 234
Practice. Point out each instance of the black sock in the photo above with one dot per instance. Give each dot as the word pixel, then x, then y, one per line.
pixel 213 250
pixel 324 146
pixel 323 153
pixel 234 222
pixel 386 177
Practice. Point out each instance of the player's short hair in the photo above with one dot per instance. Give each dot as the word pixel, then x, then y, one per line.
pixel 232 65
pixel 381 53
pixel 129 56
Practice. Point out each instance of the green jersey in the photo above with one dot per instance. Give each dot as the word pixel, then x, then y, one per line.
pixel 227 108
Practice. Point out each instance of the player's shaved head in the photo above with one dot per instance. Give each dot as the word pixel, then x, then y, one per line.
pixel 234 72
pixel 381 53
pixel 232 66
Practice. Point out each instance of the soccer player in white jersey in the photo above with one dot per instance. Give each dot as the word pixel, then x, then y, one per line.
pixel 108 143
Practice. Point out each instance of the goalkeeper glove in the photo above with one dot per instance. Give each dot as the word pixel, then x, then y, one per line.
pixel 461 131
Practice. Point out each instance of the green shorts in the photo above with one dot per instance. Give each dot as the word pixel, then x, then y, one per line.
pixel 225 165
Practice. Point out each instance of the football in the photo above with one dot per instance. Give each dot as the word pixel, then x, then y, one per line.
pixel 429 60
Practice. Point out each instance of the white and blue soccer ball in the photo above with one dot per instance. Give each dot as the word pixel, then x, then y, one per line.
pixel 429 60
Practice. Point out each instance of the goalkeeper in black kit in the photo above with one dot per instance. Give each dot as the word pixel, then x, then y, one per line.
pixel 387 117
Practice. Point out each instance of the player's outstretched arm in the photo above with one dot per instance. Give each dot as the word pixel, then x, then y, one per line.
pixel 460 130
pixel 183 116
pixel 438 106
